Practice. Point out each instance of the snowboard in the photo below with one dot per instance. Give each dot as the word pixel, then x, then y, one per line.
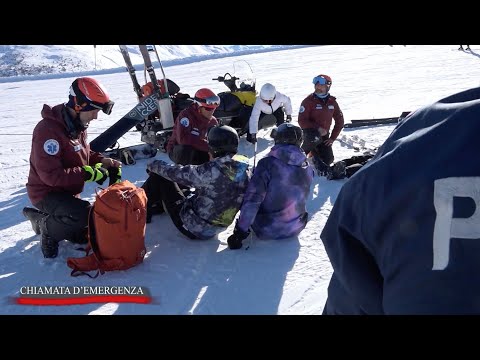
pixel 109 137
pixel 130 154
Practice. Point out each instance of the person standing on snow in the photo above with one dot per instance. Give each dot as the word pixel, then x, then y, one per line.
pixel 269 102
pixel 403 235
pixel 315 117
pixel 274 204
pixel 61 162
pixel 219 187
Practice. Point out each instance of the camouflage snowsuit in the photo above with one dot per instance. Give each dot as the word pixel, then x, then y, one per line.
pixel 219 188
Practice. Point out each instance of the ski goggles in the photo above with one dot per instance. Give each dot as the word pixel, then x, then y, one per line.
pixel 209 103
pixel 321 80
pixel 93 105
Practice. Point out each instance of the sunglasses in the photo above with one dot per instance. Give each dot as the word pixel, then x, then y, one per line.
pixel 321 80
pixel 213 101
pixel 267 101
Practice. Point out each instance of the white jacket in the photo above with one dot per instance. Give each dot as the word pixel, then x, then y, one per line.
pixel 260 106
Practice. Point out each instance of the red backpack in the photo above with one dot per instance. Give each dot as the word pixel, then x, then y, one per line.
pixel 117 237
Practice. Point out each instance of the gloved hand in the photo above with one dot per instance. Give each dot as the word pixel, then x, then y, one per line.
pixel 96 173
pixel 235 240
pixel 289 118
pixel 115 175
pixel 252 138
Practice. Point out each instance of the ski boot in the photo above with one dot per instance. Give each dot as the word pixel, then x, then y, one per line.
pixel 34 216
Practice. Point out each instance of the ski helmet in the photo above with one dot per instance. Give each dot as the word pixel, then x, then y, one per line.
pixel 207 98
pixel 87 94
pixel 222 140
pixel 323 80
pixel 268 92
pixel 289 134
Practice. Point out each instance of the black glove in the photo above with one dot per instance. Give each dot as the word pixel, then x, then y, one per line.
pixel 115 175
pixel 235 240
pixel 289 118
pixel 96 173
pixel 252 138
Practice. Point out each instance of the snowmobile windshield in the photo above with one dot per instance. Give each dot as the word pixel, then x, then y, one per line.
pixel 244 73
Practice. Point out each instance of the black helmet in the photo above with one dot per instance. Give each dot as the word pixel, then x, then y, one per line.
pixel 222 140
pixel 288 133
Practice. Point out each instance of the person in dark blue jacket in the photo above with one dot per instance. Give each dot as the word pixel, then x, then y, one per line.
pixel 403 236
pixel 274 203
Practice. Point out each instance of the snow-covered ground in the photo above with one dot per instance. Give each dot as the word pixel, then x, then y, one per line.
pixel 187 277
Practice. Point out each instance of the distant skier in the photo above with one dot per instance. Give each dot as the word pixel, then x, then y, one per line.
pixel 61 162
pixel 219 187
pixel 274 204
pixel 403 234
pixel 315 117
pixel 269 102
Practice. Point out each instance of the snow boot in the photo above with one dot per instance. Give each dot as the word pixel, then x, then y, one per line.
pixel 48 244
pixel 321 168
pixel 34 216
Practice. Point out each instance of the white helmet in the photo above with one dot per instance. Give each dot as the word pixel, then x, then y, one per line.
pixel 268 92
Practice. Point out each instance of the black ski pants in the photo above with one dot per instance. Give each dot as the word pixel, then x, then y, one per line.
pixel 172 197
pixel 188 155
pixel 243 119
pixel 314 143
pixel 67 216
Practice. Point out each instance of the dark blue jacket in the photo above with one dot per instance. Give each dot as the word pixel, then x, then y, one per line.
pixel 404 234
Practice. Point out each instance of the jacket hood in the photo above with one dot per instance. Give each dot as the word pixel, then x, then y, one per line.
pixel 289 154
pixel 53 113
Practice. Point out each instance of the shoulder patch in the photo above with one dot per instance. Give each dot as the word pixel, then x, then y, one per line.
pixel 184 122
pixel 51 147
pixel 302 109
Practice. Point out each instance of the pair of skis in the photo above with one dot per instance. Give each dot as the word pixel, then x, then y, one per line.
pixel 146 107
pixel 380 121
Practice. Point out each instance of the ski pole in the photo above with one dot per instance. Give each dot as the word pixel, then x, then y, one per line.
pixel 253 170
pixel 161 68
pixel 254 156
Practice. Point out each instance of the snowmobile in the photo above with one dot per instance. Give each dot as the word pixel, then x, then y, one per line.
pixel 236 105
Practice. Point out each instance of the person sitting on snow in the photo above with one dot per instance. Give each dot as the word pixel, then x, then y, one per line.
pixel 187 144
pixel 219 185
pixel 274 204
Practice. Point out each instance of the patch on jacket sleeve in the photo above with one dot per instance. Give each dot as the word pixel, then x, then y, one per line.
pixel 302 109
pixel 51 147
pixel 185 122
